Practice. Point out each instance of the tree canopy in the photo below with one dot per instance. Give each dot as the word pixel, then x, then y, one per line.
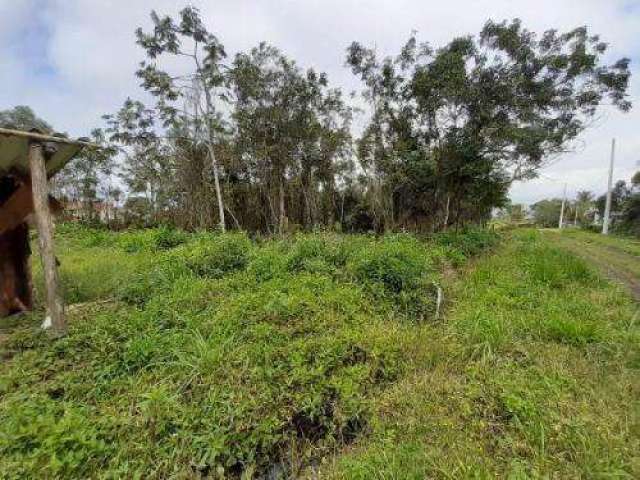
pixel 452 127
pixel 254 141
pixel 22 117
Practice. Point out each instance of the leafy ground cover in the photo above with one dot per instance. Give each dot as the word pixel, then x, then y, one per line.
pixel 194 355
pixel 535 374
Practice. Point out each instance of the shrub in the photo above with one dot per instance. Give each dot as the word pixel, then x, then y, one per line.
pixel 214 255
pixel 152 239
pixel 316 253
pixel 142 285
pixel 268 262
pixel 399 269
pixel 469 242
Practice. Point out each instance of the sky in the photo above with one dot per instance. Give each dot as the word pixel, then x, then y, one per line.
pixel 74 60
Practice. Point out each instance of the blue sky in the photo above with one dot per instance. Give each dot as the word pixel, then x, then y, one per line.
pixel 73 60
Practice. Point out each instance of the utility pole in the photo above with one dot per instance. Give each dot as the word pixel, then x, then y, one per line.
pixel 575 219
pixel 564 199
pixel 607 208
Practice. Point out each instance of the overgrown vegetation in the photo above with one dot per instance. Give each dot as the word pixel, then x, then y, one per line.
pixel 536 374
pixel 201 354
pixel 207 354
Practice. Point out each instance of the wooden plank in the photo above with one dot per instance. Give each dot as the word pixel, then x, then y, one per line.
pixel 44 224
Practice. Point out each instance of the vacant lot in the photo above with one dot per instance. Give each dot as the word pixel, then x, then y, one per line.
pixel 320 355
pixel 535 374
pixel 195 355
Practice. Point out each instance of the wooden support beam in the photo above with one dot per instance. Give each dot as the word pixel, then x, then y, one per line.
pixel 44 224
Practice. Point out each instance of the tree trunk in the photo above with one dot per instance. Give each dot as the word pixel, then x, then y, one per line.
pixel 212 155
pixel 446 214
pixel 44 224
pixel 216 180
pixel 283 213
pixel 306 196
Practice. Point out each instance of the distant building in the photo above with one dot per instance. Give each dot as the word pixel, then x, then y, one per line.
pixel 102 210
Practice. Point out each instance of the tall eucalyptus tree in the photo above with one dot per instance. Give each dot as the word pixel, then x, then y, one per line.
pixel 452 128
pixel 192 95
pixel 291 128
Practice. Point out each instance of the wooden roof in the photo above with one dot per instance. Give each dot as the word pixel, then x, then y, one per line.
pixel 14 150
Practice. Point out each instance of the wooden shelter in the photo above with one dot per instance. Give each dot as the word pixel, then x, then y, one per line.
pixel 27 161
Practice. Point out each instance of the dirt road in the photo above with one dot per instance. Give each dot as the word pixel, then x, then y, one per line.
pixel 617 258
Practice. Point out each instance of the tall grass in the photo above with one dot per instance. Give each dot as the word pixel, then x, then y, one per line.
pixel 534 375
pixel 217 356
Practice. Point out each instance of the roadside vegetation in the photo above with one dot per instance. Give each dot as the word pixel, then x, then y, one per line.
pixel 195 355
pixel 534 374
pixel 213 354
pixel 624 243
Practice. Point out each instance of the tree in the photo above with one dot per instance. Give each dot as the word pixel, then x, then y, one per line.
pixel 546 213
pixel 452 128
pixel 629 216
pixel 89 176
pixel 186 38
pixel 22 117
pixel 619 194
pixel 584 204
pixel 291 133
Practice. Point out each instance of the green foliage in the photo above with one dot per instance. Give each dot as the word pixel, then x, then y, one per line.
pixel 220 354
pixel 532 376
pixel 152 240
pixel 461 245
pixel 397 268
pixel 22 117
pixel 440 141
pixel 214 255
pixel 546 213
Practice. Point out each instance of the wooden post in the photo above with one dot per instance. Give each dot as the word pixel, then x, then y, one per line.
pixel 44 223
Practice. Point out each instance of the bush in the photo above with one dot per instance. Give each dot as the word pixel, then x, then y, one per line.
pixel 214 255
pixel 399 269
pixel 316 253
pixel 469 243
pixel 152 239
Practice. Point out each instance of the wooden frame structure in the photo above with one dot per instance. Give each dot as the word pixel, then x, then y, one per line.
pixel 27 161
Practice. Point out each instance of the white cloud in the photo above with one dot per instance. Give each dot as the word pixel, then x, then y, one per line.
pixel 90 46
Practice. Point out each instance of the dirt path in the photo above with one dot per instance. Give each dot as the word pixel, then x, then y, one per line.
pixel 614 262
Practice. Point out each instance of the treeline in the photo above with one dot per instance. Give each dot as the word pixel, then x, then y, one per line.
pixel 255 142
pixel 587 210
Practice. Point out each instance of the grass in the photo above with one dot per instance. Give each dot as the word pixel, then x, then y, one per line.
pixel 318 356
pixel 214 355
pixel 616 257
pixel 623 243
pixel 535 375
